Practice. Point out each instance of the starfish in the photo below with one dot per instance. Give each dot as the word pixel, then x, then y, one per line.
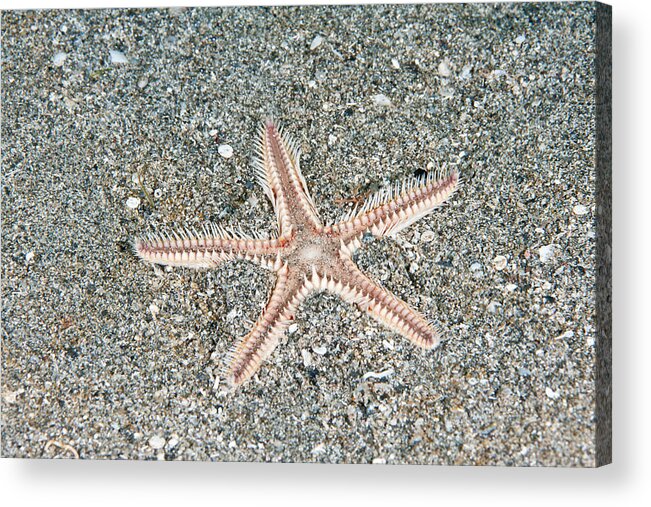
pixel 306 255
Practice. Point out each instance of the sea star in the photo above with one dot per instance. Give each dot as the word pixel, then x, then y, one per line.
pixel 306 255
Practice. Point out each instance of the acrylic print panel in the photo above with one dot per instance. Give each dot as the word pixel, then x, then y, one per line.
pixel 414 269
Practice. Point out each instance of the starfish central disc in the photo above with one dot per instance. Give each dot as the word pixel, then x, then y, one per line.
pixel 313 253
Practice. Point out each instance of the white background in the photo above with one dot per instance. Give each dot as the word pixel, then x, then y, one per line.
pixel 625 482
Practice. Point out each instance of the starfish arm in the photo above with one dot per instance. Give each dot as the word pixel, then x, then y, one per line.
pixel 278 171
pixel 252 350
pixel 357 288
pixel 389 211
pixel 208 248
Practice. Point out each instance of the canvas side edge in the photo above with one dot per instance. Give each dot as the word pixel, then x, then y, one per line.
pixel 603 227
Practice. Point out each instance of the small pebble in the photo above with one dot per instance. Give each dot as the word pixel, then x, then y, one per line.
pixel 499 262
pixel 117 57
pixel 59 58
pixel 133 202
pixel 292 328
pixel 379 461
pixel 29 257
pixel 142 82
pixel 395 63
pixel 316 42
pixel 547 253
pixel 158 193
pixel 381 100
pixel 156 442
pixel 579 210
pixel 320 350
pixel 520 39
pixel 225 150
pixel 511 287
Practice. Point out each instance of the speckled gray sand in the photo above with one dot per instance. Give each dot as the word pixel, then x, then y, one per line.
pixel 118 360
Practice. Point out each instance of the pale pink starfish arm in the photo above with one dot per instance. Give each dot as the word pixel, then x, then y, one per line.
pixel 383 306
pixel 389 211
pixel 208 248
pixel 250 351
pixel 279 174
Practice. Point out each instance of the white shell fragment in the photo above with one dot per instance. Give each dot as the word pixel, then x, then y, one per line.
pixel 477 270
pixel 225 150
pixel 444 69
pixel 316 42
pixel 381 100
pixel 117 57
pixel 133 202
pixel 579 210
pixel 554 395
pixel 466 72
pixel 428 237
pixel 547 253
pixel 59 58
pixel 156 442
pixel 381 375
pixel 319 449
pixel 307 358
pixel 499 262
pixel 493 306
pixel 320 350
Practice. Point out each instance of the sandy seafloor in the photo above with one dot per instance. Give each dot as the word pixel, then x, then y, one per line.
pixel 107 357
